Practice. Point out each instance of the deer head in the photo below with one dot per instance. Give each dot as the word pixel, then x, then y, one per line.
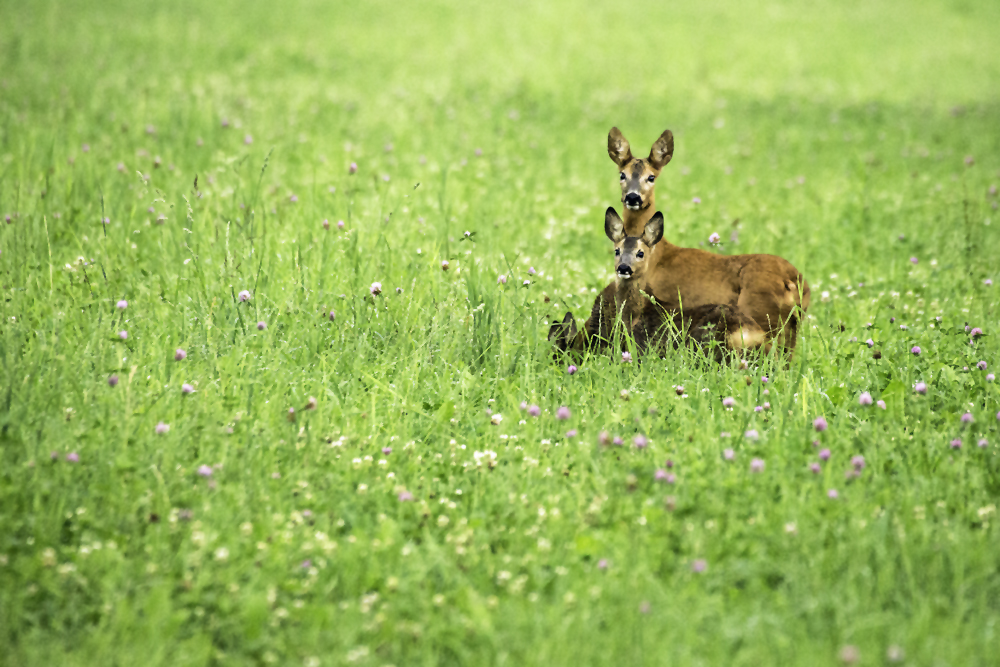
pixel 638 176
pixel 632 252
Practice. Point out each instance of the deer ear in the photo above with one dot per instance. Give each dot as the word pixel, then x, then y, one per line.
pixel 618 148
pixel 654 230
pixel 662 150
pixel 613 225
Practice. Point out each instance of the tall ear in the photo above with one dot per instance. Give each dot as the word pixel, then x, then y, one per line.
pixel 618 148
pixel 654 230
pixel 662 150
pixel 613 225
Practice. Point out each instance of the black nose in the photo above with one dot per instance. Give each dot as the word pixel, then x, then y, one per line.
pixel 633 199
pixel 624 270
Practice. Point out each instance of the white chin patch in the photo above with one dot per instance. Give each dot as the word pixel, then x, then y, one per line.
pixel 624 277
pixel 632 207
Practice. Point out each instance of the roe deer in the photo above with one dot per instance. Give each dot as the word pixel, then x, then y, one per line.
pixel 765 287
pixel 715 328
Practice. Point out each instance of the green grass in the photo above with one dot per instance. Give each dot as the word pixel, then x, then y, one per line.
pixel 820 132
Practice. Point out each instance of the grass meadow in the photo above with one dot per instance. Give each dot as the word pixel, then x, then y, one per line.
pixel 219 447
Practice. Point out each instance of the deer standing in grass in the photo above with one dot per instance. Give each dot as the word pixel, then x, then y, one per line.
pixel 766 288
pixel 714 328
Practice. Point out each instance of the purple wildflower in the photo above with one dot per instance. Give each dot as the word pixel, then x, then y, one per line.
pixel 696 200
pixel 870 343
pixel 714 238
pixel 751 434
pixel 123 335
pixel 205 471
pixel 604 438
pixel 162 428
pixel 858 462
pixel 983 443
pixel 571 433
pixel 865 398
pixel 618 442
pixel 832 494
pixel 387 450
pixel 562 413
pixel 502 279
pixel 640 441
pixel 571 369
pixel 915 350
pixel 699 565
pixel 340 224
pixel 244 295
pixel 967 418
pixel 333 316
pixel 757 465
pixel 122 305
pixel 728 454
pixel 914 260
pixel 602 564
pixel 353 168
pixel 187 389
pixel 73 457
pixel 824 454
pixel 956 443
pixel 728 402
pixel 179 355
pixel 627 357
pixel 112 380
pixel 326 224
pixel 981 365
pixel 881 404
pixel 990 377
pixel 247 140
pixel 405 496
pixel 261 326
pixel 814 467
pixel 920 387
pixel 534 410
pixel 375 289
pixel 820 424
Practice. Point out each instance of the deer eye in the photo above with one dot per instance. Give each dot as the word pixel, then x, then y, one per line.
pixel 618 251
pixel 622 178
pixel 651 179
pixel 639 254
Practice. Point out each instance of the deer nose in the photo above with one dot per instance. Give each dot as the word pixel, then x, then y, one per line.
pixel 624 270
pixel 633 199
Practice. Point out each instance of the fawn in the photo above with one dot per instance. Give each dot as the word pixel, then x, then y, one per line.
pixel 766 288
pixel 715 328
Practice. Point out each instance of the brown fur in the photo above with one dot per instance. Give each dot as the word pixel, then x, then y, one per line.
pixel 716 329
pixel 765 288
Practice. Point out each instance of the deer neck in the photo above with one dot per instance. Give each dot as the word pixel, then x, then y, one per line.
pixel 635 221
pixel 629 299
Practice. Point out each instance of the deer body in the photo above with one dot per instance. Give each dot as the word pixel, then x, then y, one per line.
pixel 714 327
pixel 765 288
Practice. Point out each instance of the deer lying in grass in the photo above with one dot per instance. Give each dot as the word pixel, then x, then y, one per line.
pixel 764 287
pixel 714 328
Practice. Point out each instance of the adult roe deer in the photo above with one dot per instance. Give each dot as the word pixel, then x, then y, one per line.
pixel 714 328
